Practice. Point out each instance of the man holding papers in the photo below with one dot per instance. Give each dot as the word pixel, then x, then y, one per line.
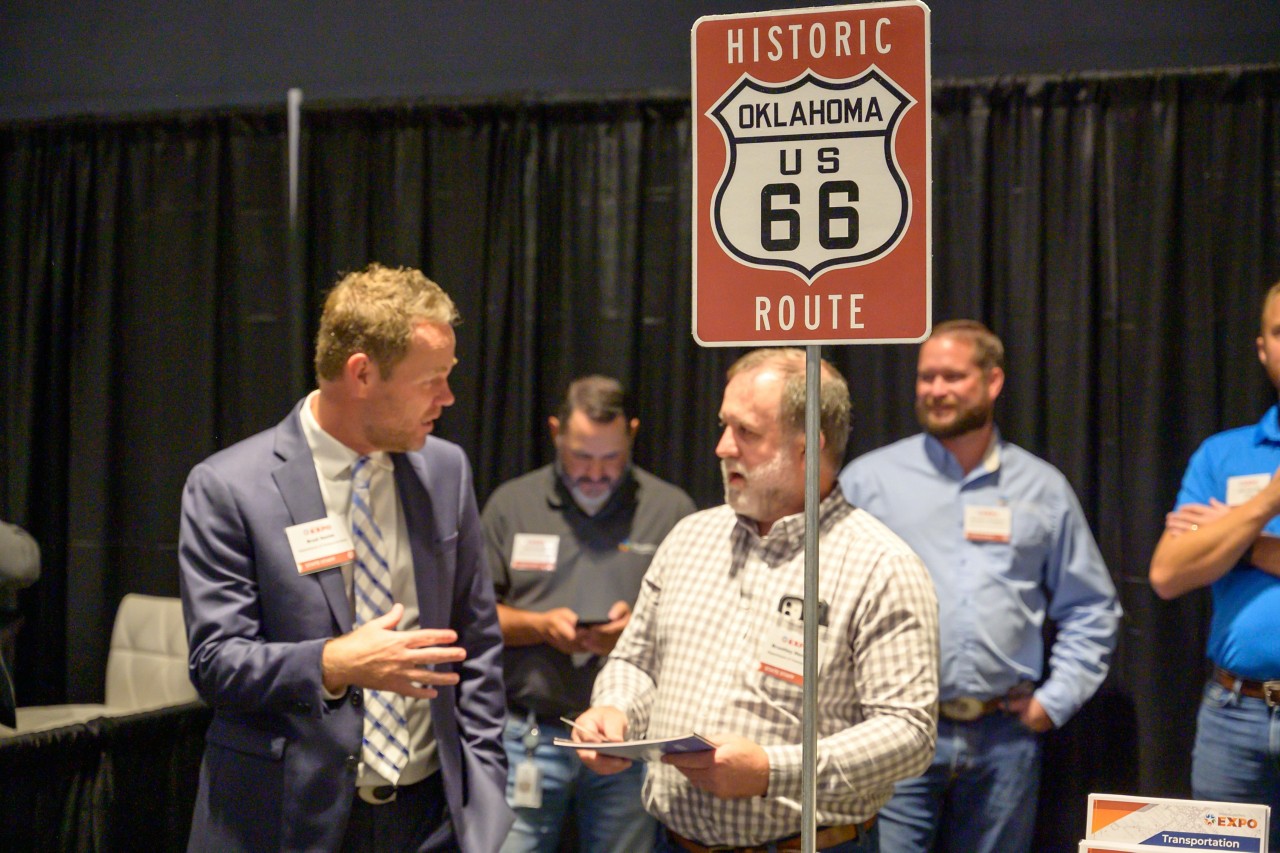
pixel 716 642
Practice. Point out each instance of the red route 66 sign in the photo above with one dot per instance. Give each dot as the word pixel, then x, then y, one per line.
pixel 811 176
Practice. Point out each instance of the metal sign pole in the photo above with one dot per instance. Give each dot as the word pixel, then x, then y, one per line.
pixel 809 718
pixel 295 277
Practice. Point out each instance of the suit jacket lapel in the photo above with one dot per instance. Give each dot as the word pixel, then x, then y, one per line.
pixel 300 487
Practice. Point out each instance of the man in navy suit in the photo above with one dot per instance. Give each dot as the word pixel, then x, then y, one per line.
pixel 270 558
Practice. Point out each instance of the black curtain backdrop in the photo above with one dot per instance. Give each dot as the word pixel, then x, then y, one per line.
pixel 1117 231
pixel 111 784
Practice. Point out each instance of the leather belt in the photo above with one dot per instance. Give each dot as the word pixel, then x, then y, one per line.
pixel 826 836
pixel 1267 691
pixel 380 795
pixel 966 709
pixel 377 795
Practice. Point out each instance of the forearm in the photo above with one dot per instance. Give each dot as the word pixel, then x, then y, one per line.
pixel 1264 554
pixel 1086 611
pixel 481 703
pixel 628 680
pixel 627 687
pixel 521 627
pixel 1069 688
pixel 244 675
pixel 481 698
pixel 1186 561
pixel 894 671
pixel 853 763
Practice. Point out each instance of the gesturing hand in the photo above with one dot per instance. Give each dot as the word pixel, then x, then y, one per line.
pixel 378 656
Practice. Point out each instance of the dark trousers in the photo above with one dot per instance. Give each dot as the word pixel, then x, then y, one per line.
pixel 416 820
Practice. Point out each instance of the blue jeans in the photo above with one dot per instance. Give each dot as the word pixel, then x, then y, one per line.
pixel 1237 753
pixel 868 842
pixel 978 796
pixel 609 813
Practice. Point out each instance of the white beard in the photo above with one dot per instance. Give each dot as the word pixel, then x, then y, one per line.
pixel 764 491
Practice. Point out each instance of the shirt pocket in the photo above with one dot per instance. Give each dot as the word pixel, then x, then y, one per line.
pixel 778 661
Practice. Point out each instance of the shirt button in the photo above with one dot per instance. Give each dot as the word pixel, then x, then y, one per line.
pixel 357 698
pixel 353 763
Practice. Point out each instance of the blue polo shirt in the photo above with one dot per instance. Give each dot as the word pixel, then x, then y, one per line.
pixel 1242 636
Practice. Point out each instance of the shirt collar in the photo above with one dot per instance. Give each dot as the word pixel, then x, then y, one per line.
pixel 333 459
pixel 788 531
pixel 1268 429
pixel 942 459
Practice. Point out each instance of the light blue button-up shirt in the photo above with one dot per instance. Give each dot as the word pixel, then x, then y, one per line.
pixel 993 596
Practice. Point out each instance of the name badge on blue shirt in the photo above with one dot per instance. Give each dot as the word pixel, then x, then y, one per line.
pixel 1240 489
pixel 988 523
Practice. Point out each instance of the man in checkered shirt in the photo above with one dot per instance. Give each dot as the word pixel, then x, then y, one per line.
pixel 707 646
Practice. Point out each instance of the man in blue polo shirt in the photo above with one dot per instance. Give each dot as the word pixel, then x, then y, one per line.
pixel 1223 533
pixel 1007 546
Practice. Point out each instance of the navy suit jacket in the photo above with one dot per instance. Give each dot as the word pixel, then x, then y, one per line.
pixel 280 760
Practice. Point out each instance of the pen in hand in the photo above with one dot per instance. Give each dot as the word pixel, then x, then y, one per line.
pixel 595 736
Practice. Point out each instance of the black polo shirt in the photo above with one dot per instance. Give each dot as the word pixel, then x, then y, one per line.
pixel 617 542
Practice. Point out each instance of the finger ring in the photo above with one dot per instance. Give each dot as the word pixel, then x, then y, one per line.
pixel 1195 527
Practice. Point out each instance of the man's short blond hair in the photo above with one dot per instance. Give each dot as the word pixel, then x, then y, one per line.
pixel 374 311
pixel 833 395
pixel 988 349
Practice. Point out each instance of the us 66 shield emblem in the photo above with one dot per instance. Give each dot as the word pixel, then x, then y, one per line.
pixel 811 181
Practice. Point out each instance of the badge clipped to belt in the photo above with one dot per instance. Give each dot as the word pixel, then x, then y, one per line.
pixel 528 787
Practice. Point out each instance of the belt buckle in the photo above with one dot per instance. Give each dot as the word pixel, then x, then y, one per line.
pixel 377 795
pixel 964 709
pixel 1271 693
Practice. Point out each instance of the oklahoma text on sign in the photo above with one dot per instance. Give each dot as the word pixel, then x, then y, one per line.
pixel 811 176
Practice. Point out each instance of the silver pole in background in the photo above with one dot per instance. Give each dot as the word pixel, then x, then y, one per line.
pixel 295 280
pixel 294 107
pixel 809 718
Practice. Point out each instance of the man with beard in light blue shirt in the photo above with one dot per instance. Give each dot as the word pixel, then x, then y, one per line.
pixel 1007 545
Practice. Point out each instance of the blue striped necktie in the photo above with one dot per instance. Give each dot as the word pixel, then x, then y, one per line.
pixel 386 736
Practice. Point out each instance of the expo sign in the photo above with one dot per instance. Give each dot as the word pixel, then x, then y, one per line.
pixel 811 193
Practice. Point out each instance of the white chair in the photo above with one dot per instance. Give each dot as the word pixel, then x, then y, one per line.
pixel 146 667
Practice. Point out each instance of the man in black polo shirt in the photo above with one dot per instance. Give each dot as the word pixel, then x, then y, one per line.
pixel 568 545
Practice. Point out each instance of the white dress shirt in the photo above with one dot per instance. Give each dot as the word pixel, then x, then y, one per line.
pixel 333 461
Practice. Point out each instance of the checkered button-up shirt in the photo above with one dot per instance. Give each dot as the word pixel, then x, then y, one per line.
pixel 691 660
